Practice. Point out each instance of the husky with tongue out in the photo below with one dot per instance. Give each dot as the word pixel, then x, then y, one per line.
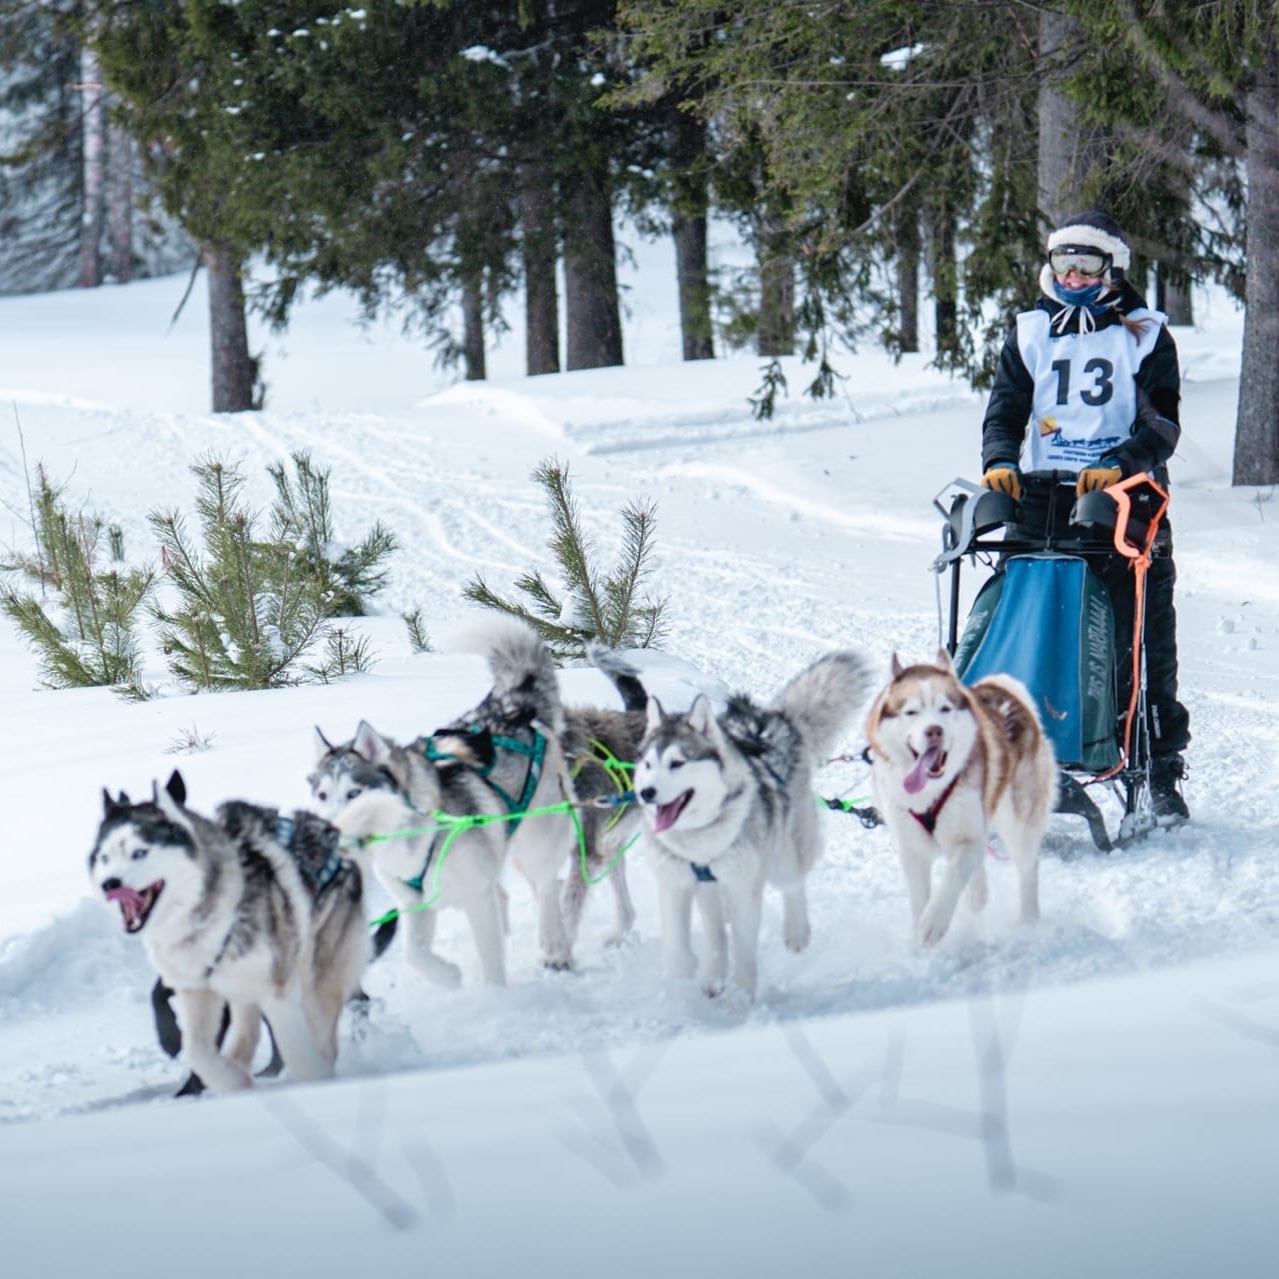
pixel 254 910
pixel 727 804
pixel 951 765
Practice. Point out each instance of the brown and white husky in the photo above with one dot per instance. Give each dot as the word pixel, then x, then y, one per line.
pixel 951 765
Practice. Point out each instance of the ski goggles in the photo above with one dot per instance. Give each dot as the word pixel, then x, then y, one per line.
pixel 1090 263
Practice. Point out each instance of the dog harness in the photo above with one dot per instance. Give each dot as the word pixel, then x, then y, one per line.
pixel 703 874
pixel 318 876
pixel 928 818
pixel 534 752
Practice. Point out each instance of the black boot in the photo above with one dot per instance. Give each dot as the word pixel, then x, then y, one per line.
pixel 1165 795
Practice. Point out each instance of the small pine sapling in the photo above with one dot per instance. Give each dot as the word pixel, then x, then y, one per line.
pixel 302 516
pixel 247 609
pixel 596 607
pixel 86 639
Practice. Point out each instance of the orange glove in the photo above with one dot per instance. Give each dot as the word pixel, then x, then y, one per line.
pixel 1097 477
pixel 1003 478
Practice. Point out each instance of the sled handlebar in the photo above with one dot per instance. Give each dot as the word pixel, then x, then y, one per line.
pixel 1124 517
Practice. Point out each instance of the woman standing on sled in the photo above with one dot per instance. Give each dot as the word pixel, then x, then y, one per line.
pixel 1095 371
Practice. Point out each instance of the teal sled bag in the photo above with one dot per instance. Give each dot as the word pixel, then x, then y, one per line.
pixel 1047 620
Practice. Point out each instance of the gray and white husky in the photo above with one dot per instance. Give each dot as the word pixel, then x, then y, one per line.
pixel 252 911
pixel 520 748
pixel 728 805
pixel 391 798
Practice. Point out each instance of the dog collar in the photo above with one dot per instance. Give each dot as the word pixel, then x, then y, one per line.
pixel 928 818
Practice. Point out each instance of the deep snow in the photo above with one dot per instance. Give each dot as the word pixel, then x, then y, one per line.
pixel 1099 1092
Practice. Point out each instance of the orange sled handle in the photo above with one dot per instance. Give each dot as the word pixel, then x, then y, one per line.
pixel 1140 555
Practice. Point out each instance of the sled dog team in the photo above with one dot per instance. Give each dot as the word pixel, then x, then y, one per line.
pixel 259 914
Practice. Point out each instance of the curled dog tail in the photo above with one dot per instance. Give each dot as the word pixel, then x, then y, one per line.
pixel 622 672
pixel 822 699
pixel 525 682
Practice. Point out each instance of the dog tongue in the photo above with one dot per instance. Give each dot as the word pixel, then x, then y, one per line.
pixel 917 778
pixel 131 902
pixel 665 815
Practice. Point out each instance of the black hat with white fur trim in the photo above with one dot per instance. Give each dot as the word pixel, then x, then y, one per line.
pixel 1095 231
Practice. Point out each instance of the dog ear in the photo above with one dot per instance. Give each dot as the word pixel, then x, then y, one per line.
pixel 176 787
pixel 701 716
pixel 895 666
pixel 112 806
pixel 943 660
pixel 654 713
pixel 370 743
pixel 322 745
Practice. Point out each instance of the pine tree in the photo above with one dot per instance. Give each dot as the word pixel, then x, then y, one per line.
pixel 88 637
pixel 593 606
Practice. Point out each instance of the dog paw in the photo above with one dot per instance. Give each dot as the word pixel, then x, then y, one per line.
pixel 712 987
pixel 932 926
pixel 557 963
pixel 798 939
pixel 441 972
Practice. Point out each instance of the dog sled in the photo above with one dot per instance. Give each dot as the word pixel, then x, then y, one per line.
pixel 1044 615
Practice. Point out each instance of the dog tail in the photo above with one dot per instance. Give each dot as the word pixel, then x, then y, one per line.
pixel 524 676
pixel 623 673
pixel 821 700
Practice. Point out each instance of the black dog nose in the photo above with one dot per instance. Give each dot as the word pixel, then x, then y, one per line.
pixel 648 794
pixel 109 884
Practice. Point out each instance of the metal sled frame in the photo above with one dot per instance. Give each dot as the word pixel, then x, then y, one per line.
pixel 974 523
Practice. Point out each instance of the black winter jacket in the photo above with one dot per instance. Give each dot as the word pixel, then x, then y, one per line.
pixel 1155 432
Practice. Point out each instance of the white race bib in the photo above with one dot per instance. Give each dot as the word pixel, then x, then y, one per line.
pixel 1085 389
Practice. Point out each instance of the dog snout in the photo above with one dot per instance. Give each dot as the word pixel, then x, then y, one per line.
pixel 109 884
pixel 648 794
pixel 933 735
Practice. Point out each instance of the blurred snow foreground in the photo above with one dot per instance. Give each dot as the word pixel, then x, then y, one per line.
pixel 1095 1095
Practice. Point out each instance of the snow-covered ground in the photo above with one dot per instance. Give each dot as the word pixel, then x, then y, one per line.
pixel 1100 1095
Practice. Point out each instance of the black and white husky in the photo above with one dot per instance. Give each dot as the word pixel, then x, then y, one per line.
pixel 251 911
pixel 728 805
pixel 519 749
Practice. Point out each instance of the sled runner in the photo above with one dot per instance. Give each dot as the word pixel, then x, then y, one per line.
pixel 1045 616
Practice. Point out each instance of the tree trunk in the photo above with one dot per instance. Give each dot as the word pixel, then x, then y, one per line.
pixel 1257 424
pixel 94 117
pixel 941 229
pixel 120 203
pixel 473 328
pixel 692 275
pixel 908 252
pixel 1173 296
pixel 688 229
pixel 541 303
pixel 1068 154
pixel 776 288
pixel 235 371
pixel 590 274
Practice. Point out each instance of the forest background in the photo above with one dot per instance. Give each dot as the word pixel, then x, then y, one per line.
pixel 442 159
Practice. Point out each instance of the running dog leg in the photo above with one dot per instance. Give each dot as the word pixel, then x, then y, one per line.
pixel 485 915
pixel 557 953
pixel 624 919
pixel 419 933
pixel 294 1028
pixel 678 959
pixel 978 891
pixel 960 863
pixel 710 904
pixel 200 1014
pixel 242 1036
pixel 797 932
pixel 744 908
